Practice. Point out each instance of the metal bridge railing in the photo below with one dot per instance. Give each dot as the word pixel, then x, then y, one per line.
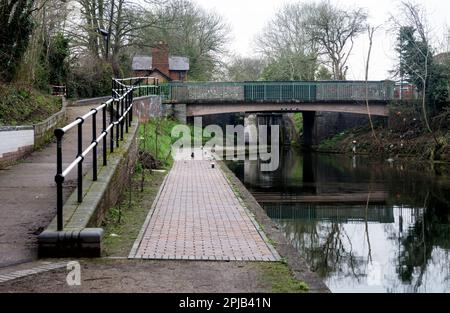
pixel 289 91
pixel 143 86
pixel 120 108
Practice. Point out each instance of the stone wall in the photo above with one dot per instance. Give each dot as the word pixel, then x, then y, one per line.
pixel 15 143
pixel 328 124
pixel 146 107
pixel 119 178
pixel 175 111
pixel 91 101
pixel 18 141
pixel 43 132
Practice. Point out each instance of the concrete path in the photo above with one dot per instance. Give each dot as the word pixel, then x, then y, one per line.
pixel 28 194
pixel 197 216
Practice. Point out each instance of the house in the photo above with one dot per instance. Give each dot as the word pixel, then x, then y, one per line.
pixel 442 58
pixel 405 91
pixel 161 65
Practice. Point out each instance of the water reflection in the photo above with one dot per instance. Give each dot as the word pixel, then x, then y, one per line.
pixel 364 226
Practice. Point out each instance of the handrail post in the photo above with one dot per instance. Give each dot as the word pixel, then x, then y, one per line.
pixel 139 84
pixel 80 164
pixel 122 104
pixel 104 138
pixel 126 117
pixel 118 126
pixel 131 104
pixel 129 113
pixel 94 139
pixel 59 179
pixel 111 121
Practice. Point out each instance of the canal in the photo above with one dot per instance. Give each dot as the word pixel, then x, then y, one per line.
pixel 362 225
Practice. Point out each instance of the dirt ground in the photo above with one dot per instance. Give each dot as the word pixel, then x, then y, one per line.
pixel 108 275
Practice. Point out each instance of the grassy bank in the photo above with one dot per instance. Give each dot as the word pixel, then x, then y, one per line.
pixel 405 137
pixel 156 139
pixel 124 221
pixel 21 105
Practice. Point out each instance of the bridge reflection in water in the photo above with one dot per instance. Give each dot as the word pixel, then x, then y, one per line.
pixel 330 213
pixel 364 226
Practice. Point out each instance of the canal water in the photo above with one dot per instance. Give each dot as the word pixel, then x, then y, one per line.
pixel 362 225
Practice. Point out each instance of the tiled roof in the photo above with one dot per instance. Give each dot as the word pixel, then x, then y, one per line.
pixel 176 63
pixel 142 63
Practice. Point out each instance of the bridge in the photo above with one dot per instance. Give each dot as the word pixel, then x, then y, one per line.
pixel 207 98
pixel 330 98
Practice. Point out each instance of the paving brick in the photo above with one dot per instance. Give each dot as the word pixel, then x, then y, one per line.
pixel 197 216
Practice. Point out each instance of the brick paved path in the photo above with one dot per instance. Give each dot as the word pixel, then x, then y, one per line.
pixel 197 216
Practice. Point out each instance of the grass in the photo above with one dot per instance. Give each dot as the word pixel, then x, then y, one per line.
pixel 20 105
pixel 280 278
pixel 298 119
pixel 156 139
pixel 124 221
pixel 333 142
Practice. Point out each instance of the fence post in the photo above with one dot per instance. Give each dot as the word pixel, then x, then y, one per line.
pixel 122 105
pixel 125 119
pixel 118 126
pixel 111 121
pixel 104 138
pixel 59 179
pixel 94 139
pixel 131 104
pixel 80 164
pixel 139 86
pixel 129 113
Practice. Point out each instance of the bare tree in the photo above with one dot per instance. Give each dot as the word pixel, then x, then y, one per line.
pixel 370 32
pixel 333 30
pixel 104 28
pixel 287 46
pixel 286 32
pixel 420 58
pixel 49 17
pixel 190 31
pixel 245 69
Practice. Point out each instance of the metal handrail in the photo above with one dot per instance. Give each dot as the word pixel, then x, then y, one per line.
pixel 120 117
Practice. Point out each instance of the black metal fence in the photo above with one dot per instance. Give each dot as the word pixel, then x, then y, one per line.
pixel 120 111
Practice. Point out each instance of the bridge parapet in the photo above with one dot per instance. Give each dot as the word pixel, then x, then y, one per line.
pixel 291 91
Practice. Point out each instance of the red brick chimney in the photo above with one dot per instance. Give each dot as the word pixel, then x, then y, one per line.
pixel 160 55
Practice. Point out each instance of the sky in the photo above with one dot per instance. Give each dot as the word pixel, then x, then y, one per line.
pixel 247 18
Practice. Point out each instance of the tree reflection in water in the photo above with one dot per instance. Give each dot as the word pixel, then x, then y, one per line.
pixel 340 247
pixel 406 236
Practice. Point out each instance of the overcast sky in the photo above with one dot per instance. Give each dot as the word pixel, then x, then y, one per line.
pixel 248 17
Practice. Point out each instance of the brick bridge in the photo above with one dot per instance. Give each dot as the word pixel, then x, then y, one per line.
pixel 308 97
